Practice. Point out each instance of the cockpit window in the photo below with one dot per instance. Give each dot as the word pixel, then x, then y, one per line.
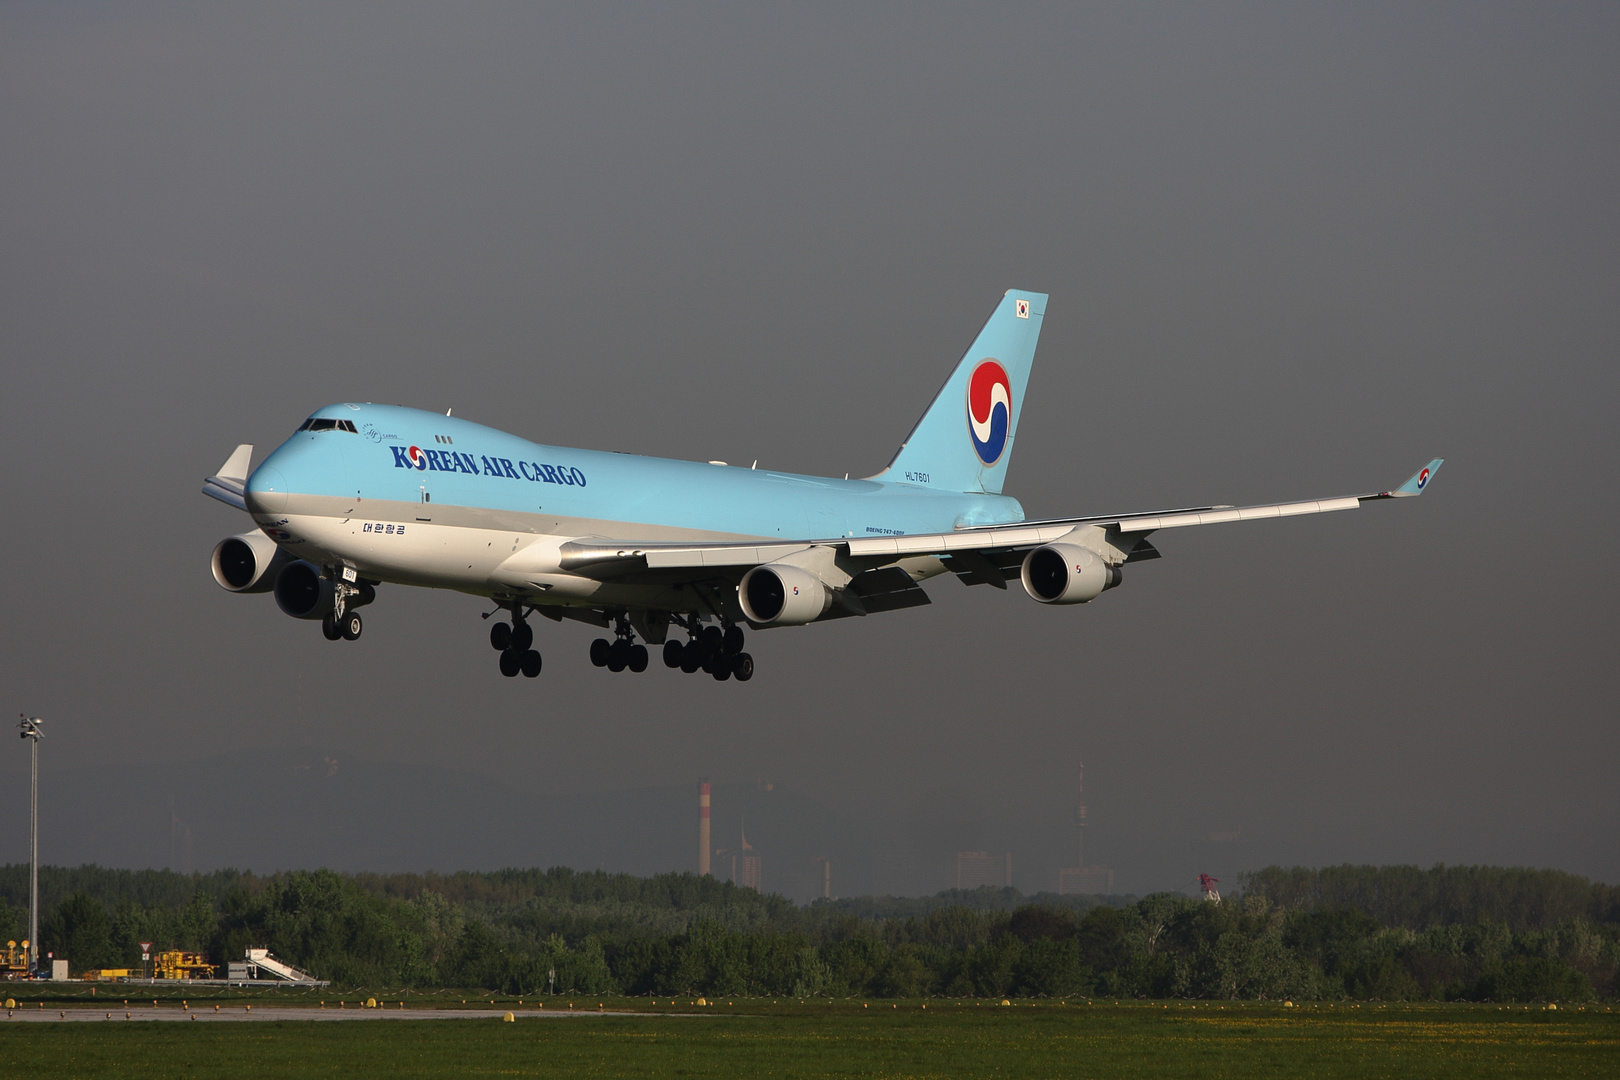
pixel 322 423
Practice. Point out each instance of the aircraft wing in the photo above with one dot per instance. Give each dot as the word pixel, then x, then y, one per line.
pixel 978 556
pixel 229 485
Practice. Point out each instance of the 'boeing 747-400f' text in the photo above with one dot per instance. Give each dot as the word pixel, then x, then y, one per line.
pixel 363 495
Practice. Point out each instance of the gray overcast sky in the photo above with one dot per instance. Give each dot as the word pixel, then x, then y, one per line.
pixel 1291 250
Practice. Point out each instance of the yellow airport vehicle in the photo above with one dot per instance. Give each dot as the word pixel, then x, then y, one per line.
pixel 14 960
pixel 175 964
pixel 110 974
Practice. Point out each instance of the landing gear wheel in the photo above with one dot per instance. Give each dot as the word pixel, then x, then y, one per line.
pixel 599 652
pixel 673 652
pixel 522 636
pixel 733 641
pixel 530 664
pixel 638 659
pixel 330 629
pixel 350 626
pixel 618 656
pixel 500 636
pixel 742 666
pixel 691 656
pixel 511 664
pixel 721 670
pixel 712 637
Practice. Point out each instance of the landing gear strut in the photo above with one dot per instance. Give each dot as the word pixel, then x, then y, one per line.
pixel 623 652
pixel 513 640
pixel 719 652
pixel 343 623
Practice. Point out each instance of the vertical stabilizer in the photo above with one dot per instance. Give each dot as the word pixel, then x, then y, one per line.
pixel 965 439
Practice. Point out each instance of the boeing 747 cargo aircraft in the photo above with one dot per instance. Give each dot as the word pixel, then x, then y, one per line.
pixel 677 554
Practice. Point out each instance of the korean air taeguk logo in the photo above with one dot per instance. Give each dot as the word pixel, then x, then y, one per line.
pixel 989 401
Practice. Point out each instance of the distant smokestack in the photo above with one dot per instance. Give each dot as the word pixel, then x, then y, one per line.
pixel 703 827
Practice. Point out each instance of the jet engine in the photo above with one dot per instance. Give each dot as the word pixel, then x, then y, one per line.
pixel 303 592
pixel 1066 574
pixel 248 563
pixel 778 594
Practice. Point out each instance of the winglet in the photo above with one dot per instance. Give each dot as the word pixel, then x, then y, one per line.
pixel 1419 481
pixel 236 466
pixel 229 485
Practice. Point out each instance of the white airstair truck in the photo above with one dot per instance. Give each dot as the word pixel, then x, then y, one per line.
pixel 260 962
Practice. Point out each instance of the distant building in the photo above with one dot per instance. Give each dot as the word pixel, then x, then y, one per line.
pixel 748 874
pixel 975 869
pixel 746 868
pixel 1080 881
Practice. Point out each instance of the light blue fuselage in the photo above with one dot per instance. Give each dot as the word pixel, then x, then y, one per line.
pixel 461 464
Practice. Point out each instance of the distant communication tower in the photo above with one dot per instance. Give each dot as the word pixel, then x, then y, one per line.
pixel 1207 883
pixel 1080 815
pixel 1080 878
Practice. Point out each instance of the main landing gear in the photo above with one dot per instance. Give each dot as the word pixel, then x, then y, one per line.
pixel 346 626
pixel 513 640
pixel 713 650
pixel 343 621
pixel 623 652
pixel 716 650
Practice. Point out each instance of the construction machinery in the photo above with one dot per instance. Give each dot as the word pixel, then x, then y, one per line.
pixel 14 960
pixel 176 964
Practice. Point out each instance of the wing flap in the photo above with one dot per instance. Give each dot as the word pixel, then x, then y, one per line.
pixel 617 556
pixel 887 589
pixel 722 555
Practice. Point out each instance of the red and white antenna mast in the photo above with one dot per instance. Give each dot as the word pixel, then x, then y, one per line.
pixel 1207 883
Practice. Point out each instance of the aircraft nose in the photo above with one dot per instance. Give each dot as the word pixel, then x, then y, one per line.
pixel 267 490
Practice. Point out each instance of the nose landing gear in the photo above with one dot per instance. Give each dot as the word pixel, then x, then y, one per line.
pixel 343 623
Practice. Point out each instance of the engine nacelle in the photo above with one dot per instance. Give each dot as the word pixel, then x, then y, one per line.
pixel 1066 574
pixel 248 563
pixel 777 594
pixel 303 592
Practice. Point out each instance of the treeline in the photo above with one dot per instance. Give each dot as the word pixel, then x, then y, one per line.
pixel 1414 898
pixel 678 933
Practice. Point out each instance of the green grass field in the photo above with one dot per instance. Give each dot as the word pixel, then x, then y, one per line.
pixel 845 1039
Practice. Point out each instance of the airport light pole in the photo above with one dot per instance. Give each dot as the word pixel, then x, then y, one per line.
pixel 30 731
